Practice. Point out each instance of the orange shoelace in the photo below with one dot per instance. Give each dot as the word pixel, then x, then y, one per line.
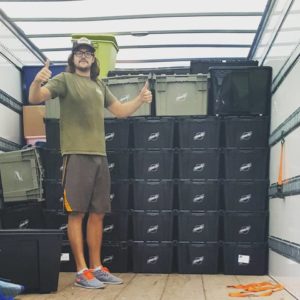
pixel 257 289
pixel 88 274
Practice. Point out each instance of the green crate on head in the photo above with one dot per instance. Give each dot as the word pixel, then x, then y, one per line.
pixel 180 95
pixel 21 175
pixel 126 88
pixel 52 109
pixel 106 50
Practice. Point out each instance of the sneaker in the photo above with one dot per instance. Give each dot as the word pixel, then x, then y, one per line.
pixel 105 276
pixel 87 280
pixel 8 289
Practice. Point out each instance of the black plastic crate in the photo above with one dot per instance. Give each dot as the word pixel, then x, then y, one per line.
pixel 199 163
pixel 245 227
pixel 67 260
pixel 246 164
pixel 115 226
pixel 153 164
pixel 198 258
pixel 52 162
pixel 118 164
pixel 246 132
pixel 202 65
pixel 116 134
pixel 245 195
pixel 54 194
pixel 52 133
pixel 152 257
pixel 198 226
pixel 199 194
pixel 240 90
pixel 153 132
pixel 115 256
pixel 56 220
pixel 153 194
pixel 245 258
pixel 152 225
pixel 25 216
pixel 31 258
pixel 199 132
pixel 119 195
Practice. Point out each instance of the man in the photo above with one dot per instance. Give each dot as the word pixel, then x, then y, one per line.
pixel 86 176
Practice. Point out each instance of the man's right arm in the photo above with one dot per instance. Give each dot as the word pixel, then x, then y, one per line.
pixel 37 93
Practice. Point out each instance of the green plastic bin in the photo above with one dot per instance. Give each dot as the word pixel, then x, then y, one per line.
pixel 21 174
pixel 106 50
pixel 180 95
pixel 126 88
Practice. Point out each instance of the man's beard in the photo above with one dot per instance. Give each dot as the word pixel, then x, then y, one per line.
pixel 83 69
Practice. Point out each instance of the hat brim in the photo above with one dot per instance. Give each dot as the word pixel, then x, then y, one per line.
pixel 76 47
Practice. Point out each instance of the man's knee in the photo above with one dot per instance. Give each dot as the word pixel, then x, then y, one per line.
pixel 76 216
pixel 96 216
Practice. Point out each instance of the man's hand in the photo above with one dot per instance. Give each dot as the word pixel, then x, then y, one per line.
pixel 145 94
pixel 43 75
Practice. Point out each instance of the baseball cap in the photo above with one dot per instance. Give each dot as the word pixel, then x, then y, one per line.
pixel 83 42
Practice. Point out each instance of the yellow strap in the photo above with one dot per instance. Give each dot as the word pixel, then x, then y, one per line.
pixel 280 175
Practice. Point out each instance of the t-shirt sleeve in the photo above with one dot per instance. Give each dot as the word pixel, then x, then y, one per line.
pixel 57 86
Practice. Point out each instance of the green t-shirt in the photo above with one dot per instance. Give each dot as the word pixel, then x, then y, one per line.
pixel 82 103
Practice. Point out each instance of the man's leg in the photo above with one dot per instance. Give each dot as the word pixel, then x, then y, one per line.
pixel 94 238
pixel 84 277
pixel 76 239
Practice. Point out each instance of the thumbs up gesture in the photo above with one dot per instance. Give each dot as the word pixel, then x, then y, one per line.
pixel 145 94
pixel 44 74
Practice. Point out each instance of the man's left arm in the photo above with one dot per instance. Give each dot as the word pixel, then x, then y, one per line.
pixel 123 110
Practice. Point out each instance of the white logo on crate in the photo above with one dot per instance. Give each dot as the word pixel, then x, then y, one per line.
pixel 246 136
pixel 109 228
pixel 108 259
pixel 153 136
pixel 245 229
pixel 24 223
pixel 153 198
pixel 18 175
pixel 153 167
pixel 63 227
pixel 111 196
pixel 111 165
pixel 153 229
pixel 109 136
pixel 198 228
pixel 245 167
pixel 199 167
pixel 245 198
pixel 124 98
pixel 199 198
pixel 153 259
pixel 198 260
pixel 181 97
pixel 199 136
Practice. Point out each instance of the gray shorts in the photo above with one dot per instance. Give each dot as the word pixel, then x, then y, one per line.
pixel 86 182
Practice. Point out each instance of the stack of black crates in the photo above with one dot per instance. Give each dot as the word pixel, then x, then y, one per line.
pixel 153 194
pixel 198 194
pixel 54 214
pixel 115 250
pixel 241 97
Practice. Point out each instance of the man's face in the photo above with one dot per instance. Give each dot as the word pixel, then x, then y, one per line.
pixel 83 58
